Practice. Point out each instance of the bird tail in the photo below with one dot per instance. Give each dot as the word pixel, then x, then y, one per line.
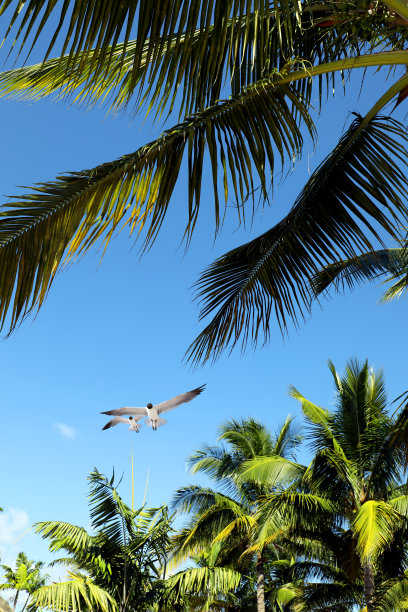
pixel 157 424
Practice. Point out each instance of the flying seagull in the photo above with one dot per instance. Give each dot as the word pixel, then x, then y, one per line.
pixel 153 412
pixel 133 422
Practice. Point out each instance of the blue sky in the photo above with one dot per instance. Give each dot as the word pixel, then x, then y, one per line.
pixel 113 333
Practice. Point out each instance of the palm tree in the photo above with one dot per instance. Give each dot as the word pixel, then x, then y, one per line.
pixel 116 569
pixel 225 520
pixel 268 59
pixel 26 577
pixel 357 470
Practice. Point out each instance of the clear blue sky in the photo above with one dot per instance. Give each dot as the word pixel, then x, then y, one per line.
pixel 114 334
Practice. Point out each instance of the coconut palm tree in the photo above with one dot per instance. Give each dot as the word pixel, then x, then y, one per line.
pixel 358 470
pixel 26 577
pixel 118 567
pixel 248 72
pixel 224 520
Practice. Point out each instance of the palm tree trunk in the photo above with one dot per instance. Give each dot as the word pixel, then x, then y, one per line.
pixel 260 584
pixel 369 585
pixel 15 599
pixel 24 607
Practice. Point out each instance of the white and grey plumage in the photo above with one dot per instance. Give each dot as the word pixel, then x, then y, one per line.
pixel 133 422
pixel 153 412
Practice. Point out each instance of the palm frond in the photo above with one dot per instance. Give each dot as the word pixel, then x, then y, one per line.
pixel 87 25
pixel 374 524
pixel 78 593
pixel 253 46
pixel 360 186
pixel 66 536
pixel 271 471
pixel 213 580
pixel 369 266
pixel 70 214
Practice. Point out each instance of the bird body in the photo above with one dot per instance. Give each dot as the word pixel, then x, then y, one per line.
pixel 131 421
pixel 153 412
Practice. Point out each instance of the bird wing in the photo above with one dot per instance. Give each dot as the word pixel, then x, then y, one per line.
pixel 114 422
pixel 127 410
pixel 179 399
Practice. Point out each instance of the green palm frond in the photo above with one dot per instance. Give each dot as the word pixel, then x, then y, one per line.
pixel 392 263
pixel 374 525
pixel 360 180
pixel 215 580
pixel 64 535
pixel 250 49
pixel 393 596
pixel 271 471
pixel 76 594
pixel 70 214
pixel 91 25
pixel 297 509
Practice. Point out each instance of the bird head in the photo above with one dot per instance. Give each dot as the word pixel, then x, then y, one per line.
pixel 130 418
pixel 149 406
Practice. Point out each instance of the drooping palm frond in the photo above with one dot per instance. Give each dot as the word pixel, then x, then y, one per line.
pixel 239 135
pixel 213 580
pixel 392 263
pixel 374 524
pixel 86 24
pixel 271 471
pixel 360 186
pixel 78 593
pixel 64 535
pixel 249 51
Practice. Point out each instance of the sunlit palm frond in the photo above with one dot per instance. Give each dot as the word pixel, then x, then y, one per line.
pixel 273 471
pixel 240 137
pixel 66 536
pixel 215 580
pixel 362 180
pixel 78 593
pixel 373 525
pixel 392 263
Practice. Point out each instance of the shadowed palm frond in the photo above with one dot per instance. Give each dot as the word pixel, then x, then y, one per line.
pixel 240 136
pixel 250 49
pixel 358 188
pixel 370 266
pixel 86 24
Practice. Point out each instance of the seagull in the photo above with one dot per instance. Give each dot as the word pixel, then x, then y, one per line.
pixel 133 422
pixel 153 412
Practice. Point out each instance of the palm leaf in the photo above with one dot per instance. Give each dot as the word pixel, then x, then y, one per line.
pixel 240 58
pixel 358 187
pixel 270 471
pixel 78 208
pixel 78 593
pixel 374 525
pixel 368 266
pixel 91 25
pixel 214 580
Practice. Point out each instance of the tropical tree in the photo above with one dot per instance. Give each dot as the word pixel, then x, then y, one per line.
pixel 248 72
pixel 26 577
pixel 359 541
pixel 118 567
pixel 224 521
